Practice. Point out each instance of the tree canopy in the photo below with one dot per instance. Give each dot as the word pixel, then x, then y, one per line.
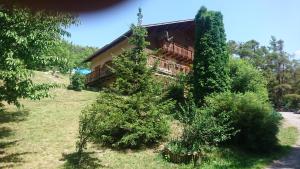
pixel 25 41
pixel 278 67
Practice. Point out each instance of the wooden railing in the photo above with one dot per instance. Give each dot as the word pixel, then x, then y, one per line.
pixel 177 51
pixel 164 66
pixel 167 66
pixel 97 74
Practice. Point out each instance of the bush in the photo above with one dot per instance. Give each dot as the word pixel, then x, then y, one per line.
pixel 208 129
pixel 246 78
pixel 254 119
pixel 77 82
pixel 292 101
pixel 128 121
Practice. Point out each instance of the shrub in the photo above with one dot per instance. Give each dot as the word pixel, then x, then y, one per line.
pixel 292 101
pixel 187 110
pixel 246 78
pixel 208 128
pixel 254 119
pixel 77 82
pixel 128 121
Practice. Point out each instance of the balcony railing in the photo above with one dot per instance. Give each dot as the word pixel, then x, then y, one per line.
pixel 179 52
pixel 97 74
pixel 164 66
pixel 167 66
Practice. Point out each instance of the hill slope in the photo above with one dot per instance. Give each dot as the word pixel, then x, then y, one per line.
pixel 36 135
pixel 39 134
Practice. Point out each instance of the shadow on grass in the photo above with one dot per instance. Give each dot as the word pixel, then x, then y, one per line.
pixel 236 158
pixel 15 116
pixel 12 160
pixel 5 132
pixel 5 144
pixel 87 161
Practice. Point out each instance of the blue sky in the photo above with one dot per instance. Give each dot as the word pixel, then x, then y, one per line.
pixel 244 20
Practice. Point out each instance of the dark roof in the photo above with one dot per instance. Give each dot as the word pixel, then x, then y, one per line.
pixel 174 24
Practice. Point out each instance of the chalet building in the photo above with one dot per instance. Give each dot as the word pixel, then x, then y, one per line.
pixel 174 42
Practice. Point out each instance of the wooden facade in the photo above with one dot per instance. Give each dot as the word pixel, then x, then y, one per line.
pixel 174 40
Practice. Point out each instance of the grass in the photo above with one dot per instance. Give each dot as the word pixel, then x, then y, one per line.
pixel 43 135
pixel 37 135
pixel 236 159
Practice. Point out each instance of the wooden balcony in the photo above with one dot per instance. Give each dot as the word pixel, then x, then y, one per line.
pixel 97 75
pixel 178 52
pixel 168 67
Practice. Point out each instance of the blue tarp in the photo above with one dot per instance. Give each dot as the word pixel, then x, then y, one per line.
pixel 82 71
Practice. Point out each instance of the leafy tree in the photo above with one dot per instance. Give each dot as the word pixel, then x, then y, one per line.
pixel 276 65
pixel 73 54
pixel 211 56
pixel 246 78
pixel 25 40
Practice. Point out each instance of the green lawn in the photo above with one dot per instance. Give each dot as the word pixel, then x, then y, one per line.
pixel 43 135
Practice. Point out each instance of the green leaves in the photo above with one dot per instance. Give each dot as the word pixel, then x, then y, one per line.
pixel 77 82
pixel 211 56
pixel 25 41
pixel 131 113
pixel 127 121
pixel 130 67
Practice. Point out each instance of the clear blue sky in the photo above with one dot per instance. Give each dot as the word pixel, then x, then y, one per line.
pixel 244 20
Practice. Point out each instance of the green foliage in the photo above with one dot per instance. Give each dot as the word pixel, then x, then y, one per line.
pixel 26 38
pixel 254 119
pixel 128 121
pixel 246 78
pixel 209 128
pixel 131 113
pixel 72 56
pixel 187 110
pixel 279 68
pixel 211 56
pixel 130 67
pixel 177 88
pixel 292 101
pixel 77 82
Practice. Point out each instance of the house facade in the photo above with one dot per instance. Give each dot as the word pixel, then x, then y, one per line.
pixel 172 42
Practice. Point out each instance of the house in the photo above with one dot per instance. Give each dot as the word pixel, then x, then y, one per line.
pixel 174 42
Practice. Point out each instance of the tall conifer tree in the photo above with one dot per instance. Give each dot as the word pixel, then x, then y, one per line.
pixel 211 56
pixel 130 67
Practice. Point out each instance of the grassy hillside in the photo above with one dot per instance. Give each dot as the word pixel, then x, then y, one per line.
pixel 43 135
pixel 37 135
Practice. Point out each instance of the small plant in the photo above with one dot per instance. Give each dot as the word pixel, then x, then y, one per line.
pixel 177 152
pixel 77 82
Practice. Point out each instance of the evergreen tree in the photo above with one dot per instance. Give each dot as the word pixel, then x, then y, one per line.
pixel 132 113
pixel 211 56
pixel 130 67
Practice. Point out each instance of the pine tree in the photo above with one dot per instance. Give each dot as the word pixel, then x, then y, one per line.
pixel 132 114
pixel 211 56
pixel 130 67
